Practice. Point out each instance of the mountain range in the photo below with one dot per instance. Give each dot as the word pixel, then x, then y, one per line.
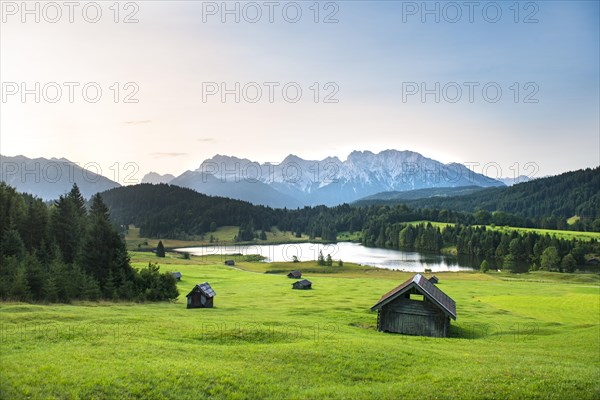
pixel 50 178
pixel 292 183
pixel 296 182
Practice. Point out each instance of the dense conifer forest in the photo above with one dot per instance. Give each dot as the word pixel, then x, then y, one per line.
pixel 67 251
pixel 543 203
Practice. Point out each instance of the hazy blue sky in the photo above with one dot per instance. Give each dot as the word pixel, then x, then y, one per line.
pixel 378 56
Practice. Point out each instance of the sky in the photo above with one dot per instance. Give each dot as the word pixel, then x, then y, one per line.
pixel 161 86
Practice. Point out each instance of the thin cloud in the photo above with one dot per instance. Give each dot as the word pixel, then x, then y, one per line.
pixel 144 121
pixel 207 139
pixel 159 155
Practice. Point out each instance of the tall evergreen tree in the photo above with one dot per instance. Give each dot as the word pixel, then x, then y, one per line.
pixel 12 244
pixel 160 249
pixel 103 250
pixel 321 259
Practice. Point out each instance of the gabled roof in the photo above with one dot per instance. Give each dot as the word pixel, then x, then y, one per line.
pixel 204 288
pixel 295 274
pixel 426 288
pixel 303 282
pixel 176 274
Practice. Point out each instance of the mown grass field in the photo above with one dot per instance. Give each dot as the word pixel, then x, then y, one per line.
pixel 528 336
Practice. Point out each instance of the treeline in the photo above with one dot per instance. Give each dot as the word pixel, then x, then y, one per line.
pixel 545 203
pixel 173 212
pixel 65 252
pixel 166 211
pixel 512 251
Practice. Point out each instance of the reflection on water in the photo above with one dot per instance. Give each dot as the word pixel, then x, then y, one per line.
pixel 348 252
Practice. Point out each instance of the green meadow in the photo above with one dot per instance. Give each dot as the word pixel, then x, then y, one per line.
pixel 534 335
pixel 559 234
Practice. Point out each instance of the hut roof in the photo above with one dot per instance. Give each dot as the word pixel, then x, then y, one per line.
pixel 428 289
pixel 204 288
pixel 303 282
pixel 295 274
pixel 176 274
pixel 434 279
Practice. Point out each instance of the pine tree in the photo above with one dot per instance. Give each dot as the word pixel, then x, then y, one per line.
pixel 329 260
pixel 36 276
pixel 484 267
pixel 58 273
pixel 78 201
pixel 51 289
pixel 104 253
pixel 35 225
pixel 90 289
pixel 321 259
pixel 66 225
pixel 20 287
pixel 160 249
pixel 12 244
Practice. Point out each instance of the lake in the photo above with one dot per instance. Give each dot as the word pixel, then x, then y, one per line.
pixel 347 252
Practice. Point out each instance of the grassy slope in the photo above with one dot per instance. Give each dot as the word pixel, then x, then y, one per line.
pixel 561 234
pixel 513 339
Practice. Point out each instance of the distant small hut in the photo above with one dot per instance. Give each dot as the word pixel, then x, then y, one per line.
pixel 434 279
pixel 229 262
pixel 302 285
pixel 201 296
pixel 176 275
pixel 295 274
pixel 416 307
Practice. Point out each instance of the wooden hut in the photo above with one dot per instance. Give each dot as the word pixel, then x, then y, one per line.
pixel 302 285
pixel 176 275
pixel 201 296
pixel 416 307
pixel 229 262
pixel 434 279
pixel 295 274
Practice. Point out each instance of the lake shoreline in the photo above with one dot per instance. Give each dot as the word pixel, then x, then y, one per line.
pixel 352 252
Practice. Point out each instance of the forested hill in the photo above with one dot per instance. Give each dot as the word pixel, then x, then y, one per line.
pixel 561 197
pixel 171 211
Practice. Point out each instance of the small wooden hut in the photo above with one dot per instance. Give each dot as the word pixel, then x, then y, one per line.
pixel 201 296
pixel 295 274
pixel 434 279
pixel 302 285
pixel 176 275
pixel 416 307
pixel 229 262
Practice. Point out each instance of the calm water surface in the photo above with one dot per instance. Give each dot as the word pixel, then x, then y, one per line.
pixel 348 252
